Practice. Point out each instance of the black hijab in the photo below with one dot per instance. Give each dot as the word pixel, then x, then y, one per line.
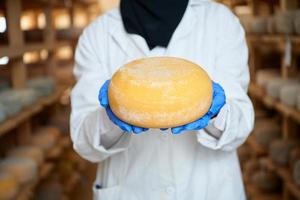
pixel 154 20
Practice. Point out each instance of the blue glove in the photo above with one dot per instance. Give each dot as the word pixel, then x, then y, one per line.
pixel 103 99
pixel 218 102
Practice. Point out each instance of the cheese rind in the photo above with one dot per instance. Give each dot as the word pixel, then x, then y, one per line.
pixel 23 169
pixel 160 92
pixel 8 186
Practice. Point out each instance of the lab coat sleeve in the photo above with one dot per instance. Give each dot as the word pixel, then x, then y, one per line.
pixel 232 73
pixel 89 122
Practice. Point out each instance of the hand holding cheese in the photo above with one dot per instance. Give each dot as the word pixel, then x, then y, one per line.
pixel 103 98
pixel 160 92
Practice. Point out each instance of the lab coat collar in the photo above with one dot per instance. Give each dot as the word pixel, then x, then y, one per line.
pixel 131 48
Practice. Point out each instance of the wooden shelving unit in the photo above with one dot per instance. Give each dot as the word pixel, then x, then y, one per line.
pixel 285 49
pixel 20 128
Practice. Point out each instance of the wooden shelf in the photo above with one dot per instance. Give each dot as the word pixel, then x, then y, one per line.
pixel 255 194
pixel 270 102
pixel 17 51
pixel 258 150
pixel 13 122
pixel 286 176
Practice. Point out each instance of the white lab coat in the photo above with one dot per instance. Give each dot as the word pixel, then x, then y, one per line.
pixel 157 165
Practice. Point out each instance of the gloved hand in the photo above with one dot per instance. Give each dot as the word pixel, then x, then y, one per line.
pixel 103 99
pixel 218 102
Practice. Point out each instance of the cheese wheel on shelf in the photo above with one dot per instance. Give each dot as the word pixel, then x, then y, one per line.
pixel 160 92
pixel 35 153
pixel 8 186
pixel 297 22
pixel 275 85
pixel 289 93
pixel 280 151
pixel 266 130
pixel 24 169
pixel 45 141
pixel 260 25
pixel 266 181
pixel 285 22
pixel 49 190
pixel 51 130
pixel 264 76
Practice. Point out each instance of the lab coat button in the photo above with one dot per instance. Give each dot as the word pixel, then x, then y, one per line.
pixel 170 190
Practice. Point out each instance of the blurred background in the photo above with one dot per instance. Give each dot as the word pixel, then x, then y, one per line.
pixel 37 44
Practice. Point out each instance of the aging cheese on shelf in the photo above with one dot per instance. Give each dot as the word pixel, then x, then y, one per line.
pixel 280 151
pixel 289 93
pixel 35 153
pixel 266 180
pixel 24 169
pixel 160 92
pixel 266 130
pixel 8 186
pixel 45 138
pixel 275 85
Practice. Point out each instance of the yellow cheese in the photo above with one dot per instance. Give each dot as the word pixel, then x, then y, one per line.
pixel 23 169
pixel 8 186
pixel 45 137
pixel 160 92
pixel 33 152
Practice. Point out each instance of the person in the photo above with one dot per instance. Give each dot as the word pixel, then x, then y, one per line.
pixel 197 161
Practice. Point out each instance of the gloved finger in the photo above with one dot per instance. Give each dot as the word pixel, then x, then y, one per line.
pixel 199 124
pixel 103 96
pixel 124 126
pixel 145 129
pixel 219 99
pixel 163 129
pixel 177 130
pixel 202 125
pixel 137 130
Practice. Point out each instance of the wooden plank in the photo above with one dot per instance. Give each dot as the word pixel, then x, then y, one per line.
pixel 24 132
pixel 255 194
pixel 285 174
pixel 13 13
pixel 258 150
pixel 18 73
pixel 288 5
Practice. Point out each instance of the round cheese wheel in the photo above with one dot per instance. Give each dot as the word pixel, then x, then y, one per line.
pixel 297 22
pixel 275 85
pixel 266 130
pixel 280 151
pixel 24 169
pixel 8 186
pixel 160 92
pixel 35 153
pixel 285 22
pixel 266 180
pixel 260 25
pixel 43 141
pixel 264 76
pixel 288 94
